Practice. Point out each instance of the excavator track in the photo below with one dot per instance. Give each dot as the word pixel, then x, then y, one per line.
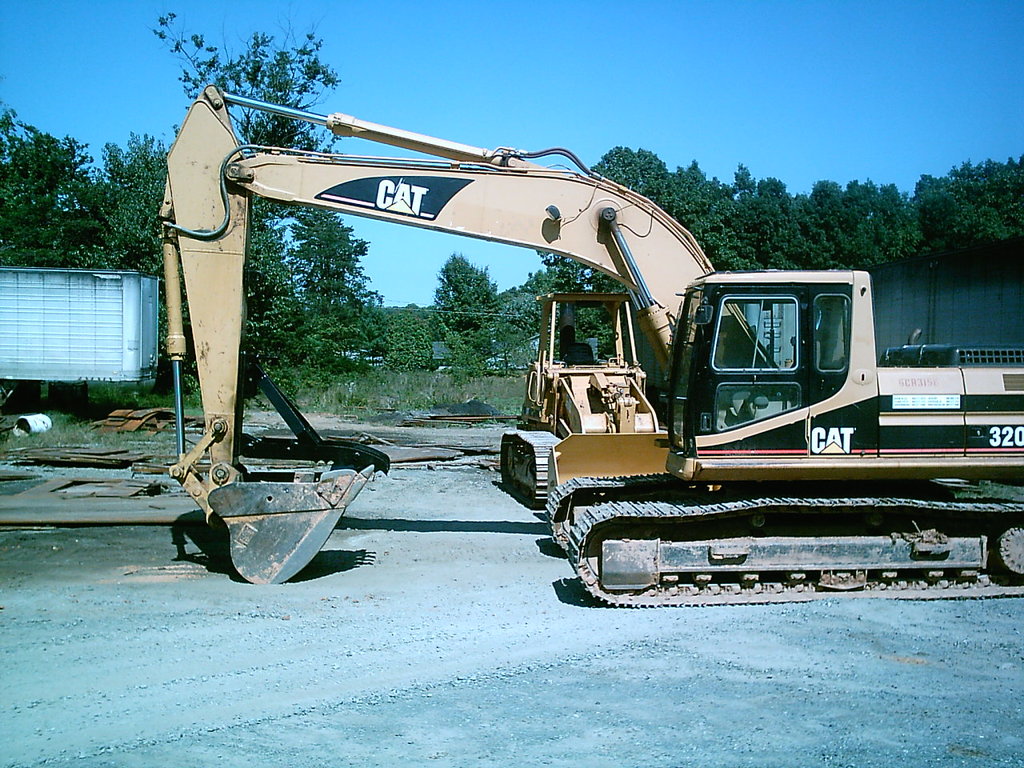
pixel 760 549
pixel 524 465
pixel 589 490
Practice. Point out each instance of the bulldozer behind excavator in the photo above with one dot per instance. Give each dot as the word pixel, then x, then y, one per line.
pixel 585 411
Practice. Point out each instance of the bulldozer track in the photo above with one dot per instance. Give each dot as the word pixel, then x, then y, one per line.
pixel 585 512
pixel 524 465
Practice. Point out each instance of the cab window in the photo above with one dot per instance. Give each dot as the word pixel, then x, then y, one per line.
pixel 831 333
pixel 756 334
pixel 737 404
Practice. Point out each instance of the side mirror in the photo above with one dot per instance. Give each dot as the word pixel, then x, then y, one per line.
pixel 705 314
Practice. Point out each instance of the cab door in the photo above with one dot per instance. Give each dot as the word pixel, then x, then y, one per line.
pixel 756 371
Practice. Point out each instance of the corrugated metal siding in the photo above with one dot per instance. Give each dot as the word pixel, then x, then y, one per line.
pixel 974 297
pixel 71 325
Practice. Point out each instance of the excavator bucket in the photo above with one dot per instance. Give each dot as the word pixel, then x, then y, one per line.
pixel 276 529
pixel 277 523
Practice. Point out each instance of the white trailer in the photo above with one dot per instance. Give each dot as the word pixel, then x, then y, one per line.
pixel 77 325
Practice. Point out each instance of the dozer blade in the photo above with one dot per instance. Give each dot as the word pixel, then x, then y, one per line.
pixel 609 455
pixel 275 529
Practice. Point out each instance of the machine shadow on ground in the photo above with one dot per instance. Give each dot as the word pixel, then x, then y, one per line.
pixel 215 554
pixel 328 562
pixel 214 551
pixel 572 592
pixel 440 526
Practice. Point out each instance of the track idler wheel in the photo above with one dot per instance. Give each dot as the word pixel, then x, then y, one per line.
pixel 276 529
pixel 1010 550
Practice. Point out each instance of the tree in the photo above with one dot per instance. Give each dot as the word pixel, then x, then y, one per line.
pixel 289 73
pixel 856 227
pixel 49 204
pixel 332 290
pixel 763 222
pixel 973 203
pixel 518 323
pixel 308 298
pixel 703 206
pixel 407 340
pixel 640 170
pixel 273 314
pixel 325 261
pixel 132 185
pixel 466 300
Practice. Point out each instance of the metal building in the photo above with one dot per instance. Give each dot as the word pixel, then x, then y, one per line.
pixel 973 296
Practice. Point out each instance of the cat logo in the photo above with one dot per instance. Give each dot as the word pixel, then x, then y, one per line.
pixel 832 440
pixel 400 197
pixel 418 197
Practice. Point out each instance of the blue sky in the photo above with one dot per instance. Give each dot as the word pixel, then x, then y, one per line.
pixel 801 91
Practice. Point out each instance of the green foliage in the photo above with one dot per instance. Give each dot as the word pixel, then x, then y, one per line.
pixel 518 324
pixel 640 170
pixel 325 262
pixel 56 210
pixel 856 227
pixel 384 390
pixel 466 303
pixel 287 72
pixel 132 188
pixel 973 203
pixel 273 314
pixel 338 330
pixel 310 308
pixel 308 301
pixel 49 201
pixel 757 224
pixel 563 275
pixel 408 337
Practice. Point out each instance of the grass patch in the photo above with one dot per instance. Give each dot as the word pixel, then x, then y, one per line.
pixel 410 391
pixel 71 431
pixel 104 398
pixel 354 394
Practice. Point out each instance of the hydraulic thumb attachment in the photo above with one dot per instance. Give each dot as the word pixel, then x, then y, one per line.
pixel 277 520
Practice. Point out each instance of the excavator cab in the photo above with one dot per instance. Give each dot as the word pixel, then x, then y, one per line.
pixel 775 377
pixel 755 359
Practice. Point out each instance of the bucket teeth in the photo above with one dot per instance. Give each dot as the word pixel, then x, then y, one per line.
pixel 276 529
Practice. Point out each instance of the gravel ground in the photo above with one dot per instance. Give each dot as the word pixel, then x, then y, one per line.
pixel 440 627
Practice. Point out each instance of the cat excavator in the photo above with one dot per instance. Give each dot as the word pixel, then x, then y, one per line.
pixel 794 464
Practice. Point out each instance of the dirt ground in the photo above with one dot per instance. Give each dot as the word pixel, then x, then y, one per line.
pixel 440 627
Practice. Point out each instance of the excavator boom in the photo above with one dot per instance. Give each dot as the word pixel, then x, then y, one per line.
pixel 277 524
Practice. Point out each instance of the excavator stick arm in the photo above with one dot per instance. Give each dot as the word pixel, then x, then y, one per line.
pixel 275 526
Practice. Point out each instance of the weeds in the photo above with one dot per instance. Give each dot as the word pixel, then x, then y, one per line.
pixel 409 391
pixel 353 394
pixel 71 431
